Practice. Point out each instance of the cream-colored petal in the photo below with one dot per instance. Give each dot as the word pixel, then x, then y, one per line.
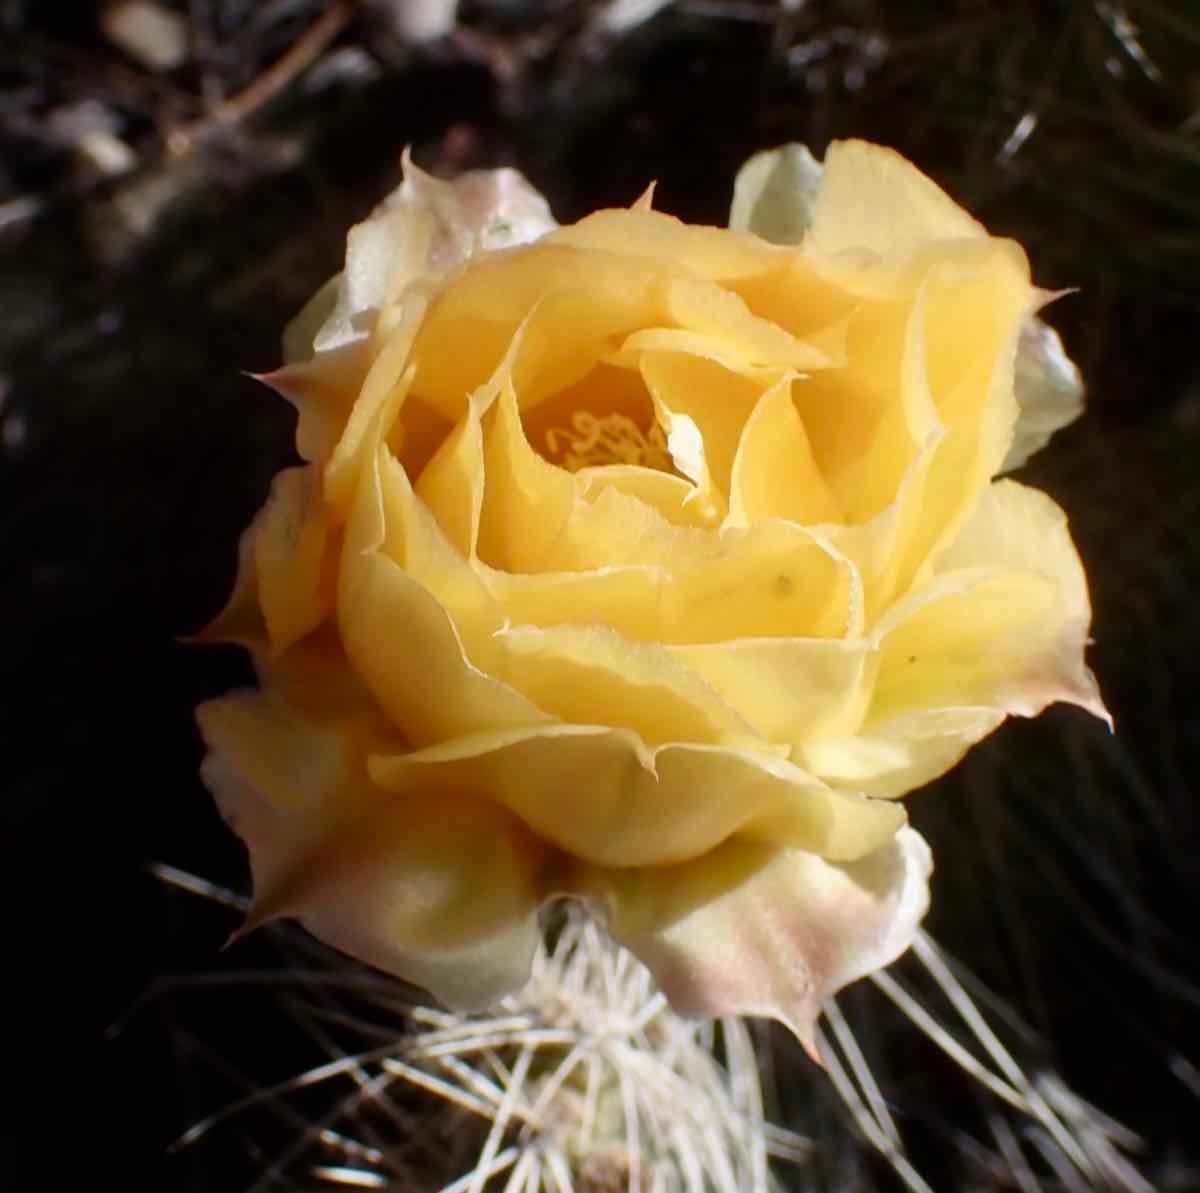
pixel 774 473
pixel 441 891
pixel 749 930
pixel 590 674
pixel 790 689
pixel 671 496
pixel 603 797
pixel 424 227
pixel 1048 387
pixel 775 192
pixel 872 198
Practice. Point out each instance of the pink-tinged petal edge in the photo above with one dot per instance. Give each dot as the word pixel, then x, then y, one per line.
pixel 783 940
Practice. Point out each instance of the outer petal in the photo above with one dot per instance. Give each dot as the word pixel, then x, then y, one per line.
pixel 598 794
pixel 440 891
pixel 424 226
pixel 1049 391
pixel 872 198
pixel 754 931
pixel 774 194
pixel 1000 630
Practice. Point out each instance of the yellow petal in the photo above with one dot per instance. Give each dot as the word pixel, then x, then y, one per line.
pixel 749 930
pixel 714 253
pixel 715 401
pixel 1000 630
pixel 791 690
pixel 295 558
pixel 603 797
pixel 591 675
pixel 402 641
pixel 574 306
pixel 772 580
pixel 774 473
pixel 872 198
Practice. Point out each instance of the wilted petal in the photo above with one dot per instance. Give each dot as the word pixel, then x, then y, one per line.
pixel 750 930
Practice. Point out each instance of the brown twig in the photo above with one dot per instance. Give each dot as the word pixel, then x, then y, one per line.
pixel 303 52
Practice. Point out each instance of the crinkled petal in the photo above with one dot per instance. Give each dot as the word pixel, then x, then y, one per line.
pixel 749 930
pixel 599 794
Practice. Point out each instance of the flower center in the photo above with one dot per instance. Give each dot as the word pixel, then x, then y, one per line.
pixel 605 418
pixel 592 440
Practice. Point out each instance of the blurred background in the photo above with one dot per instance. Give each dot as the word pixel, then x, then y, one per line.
pixel 177 177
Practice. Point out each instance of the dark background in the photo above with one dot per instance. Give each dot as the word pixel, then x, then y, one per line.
pixel 134 449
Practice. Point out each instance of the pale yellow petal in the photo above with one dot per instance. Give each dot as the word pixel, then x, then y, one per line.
pixel 403 642
pixel 749 930
pixel 440 890
pixel 574 305
pixel 873 198
pixel 771 580
pixel 715 401
pixel 869 421
pixel 894 757
pixel 591 675
pixel 603 797
pixel 381 397
pixel 295 556
pixel 451 484
pixel 790 689
pixel 1000 630
pixel 774 473
pixel 708 252
pixel 627 599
